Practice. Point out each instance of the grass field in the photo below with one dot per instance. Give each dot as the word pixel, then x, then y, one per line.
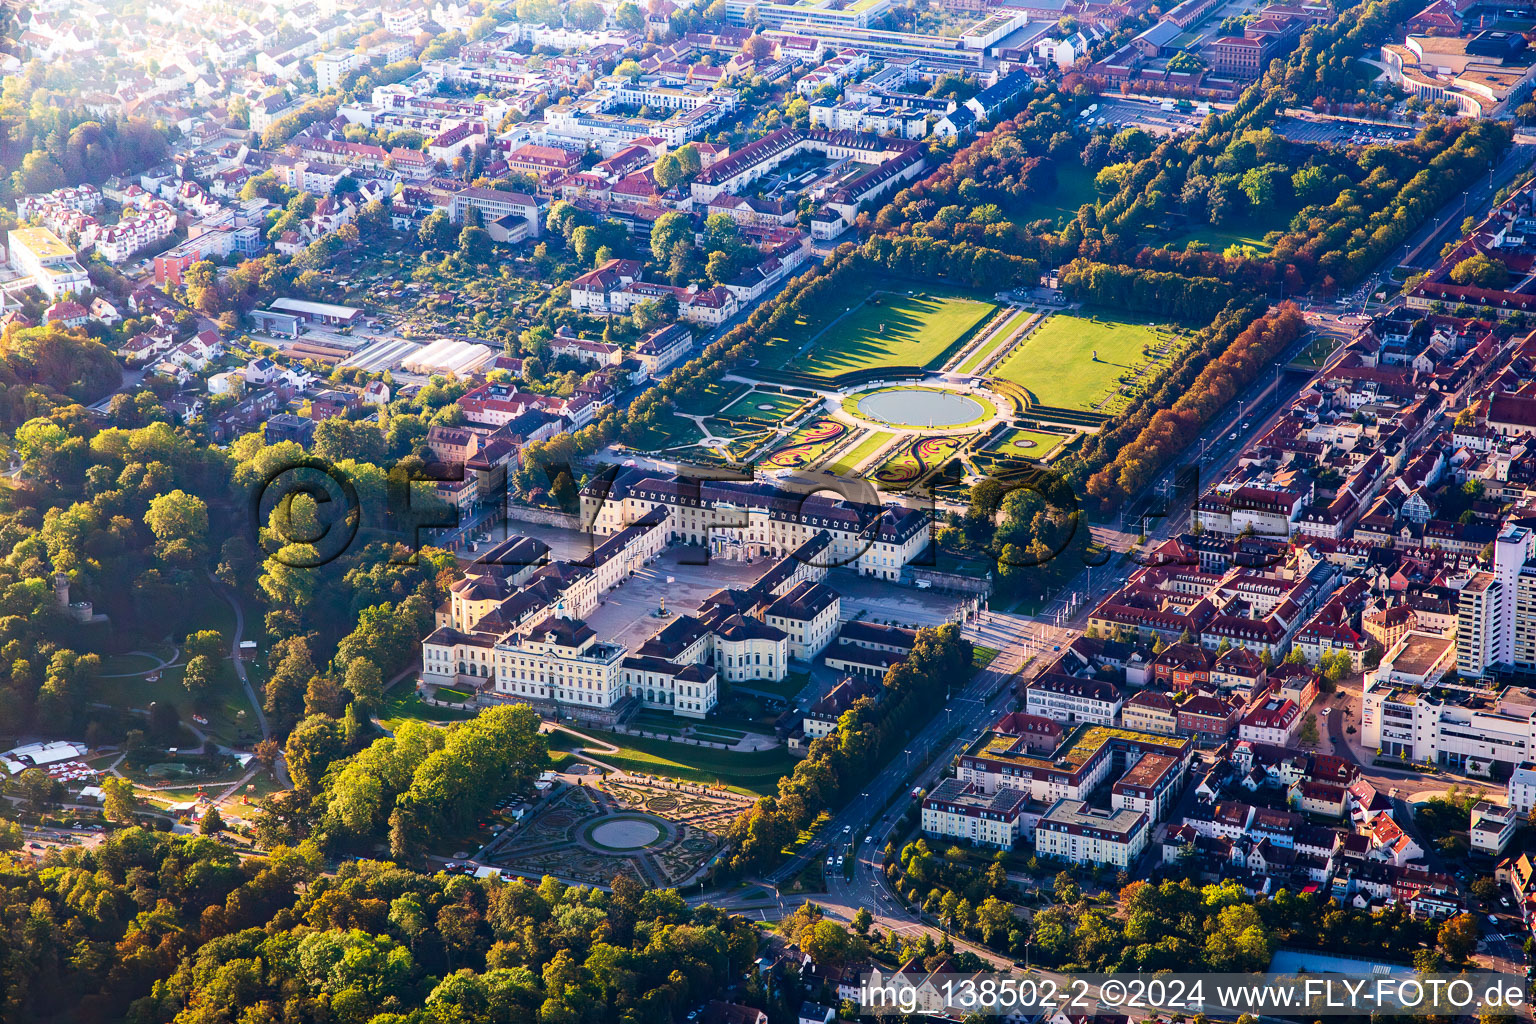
pixel 1029 444
pixel 754 773
pixel 1248 229
pixel 223 705
pixel 1056 363
pixel 713 398
pixel 1074 187
pixel 765 407
pixel 851 457
pixel 976 358
pixel 889 328
pixel 669 431
pixel 401 704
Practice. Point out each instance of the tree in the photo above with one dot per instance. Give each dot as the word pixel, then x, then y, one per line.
pixel 266 753
pixel 118 800
pixel 541 12
pixel 758 47
pixel 670 230
pixel 1480 271
pixel 584 14
pixel 436 231
pixel 205 642
pixel 179 522
pixel 200 676
pixel 365 683
pixel 475 244
pixel 212 823
pixel 312 746
pixel 1457 937
pixel 1309 735
pixel 629 17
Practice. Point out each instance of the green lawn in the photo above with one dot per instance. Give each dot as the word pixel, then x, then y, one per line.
pixel 1247 229
pixel 754 773
pixel 401 704
pixel 786 688
pixel 713 398
pixel 864 449
pixel 668 431
pixel 976 358
pixel 765 407
pixel 222 706
pixel 889 328
pixel 1056 363
pixel 1074 187
pixel 1029 444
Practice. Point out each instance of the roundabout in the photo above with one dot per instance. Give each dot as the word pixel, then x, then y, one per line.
pixel 921 407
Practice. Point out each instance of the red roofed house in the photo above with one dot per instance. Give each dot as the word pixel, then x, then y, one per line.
pixel 1276 720
pixel 68 312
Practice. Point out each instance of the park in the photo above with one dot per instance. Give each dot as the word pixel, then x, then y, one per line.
pixel 1080 362
pixel 885 328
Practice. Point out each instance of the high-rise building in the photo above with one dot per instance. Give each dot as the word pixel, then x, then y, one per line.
pixel 1496 610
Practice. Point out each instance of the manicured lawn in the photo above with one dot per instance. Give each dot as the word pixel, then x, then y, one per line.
pixel 222 706
pixel 763 407
pixel 669 431
pixel 1030 444
pixel 1074 187
pixel 786 688
pixel 976 358
pixel 403 705
pixel 889 328
pixel 713 398
pixel 754 773
pixel 864 449
pixel 1057 366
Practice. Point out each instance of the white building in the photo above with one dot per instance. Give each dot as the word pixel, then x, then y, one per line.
pixel 1069 699
pixel 1074 832
pixel 39 254
pixel 960 810
pixel 1522 788
pixel 759 520
pixel 808 616
pixel 1493 826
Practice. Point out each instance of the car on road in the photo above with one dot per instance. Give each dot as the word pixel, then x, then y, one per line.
pixel 866 840
pixel 829 860
pixel 839 860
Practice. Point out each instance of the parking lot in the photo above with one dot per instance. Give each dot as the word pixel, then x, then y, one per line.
pixel 1343 133
pixel 1144 114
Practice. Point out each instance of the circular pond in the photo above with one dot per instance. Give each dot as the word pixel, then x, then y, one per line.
pixel 626 834
pixel 922 407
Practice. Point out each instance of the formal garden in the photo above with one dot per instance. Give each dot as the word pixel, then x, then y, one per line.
pixel 664 833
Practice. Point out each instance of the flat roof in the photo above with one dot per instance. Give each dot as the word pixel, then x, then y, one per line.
pixel 1080 814
pixel 41 242
pixel 1076 749
pixel 1419 653
pixel 316 308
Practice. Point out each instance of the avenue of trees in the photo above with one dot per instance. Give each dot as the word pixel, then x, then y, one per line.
pixel 867 735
